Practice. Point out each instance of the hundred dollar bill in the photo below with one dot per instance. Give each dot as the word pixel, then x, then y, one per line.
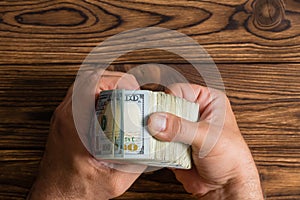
pixel 121 134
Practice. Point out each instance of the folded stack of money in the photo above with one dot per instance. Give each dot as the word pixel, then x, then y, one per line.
pixel 121 133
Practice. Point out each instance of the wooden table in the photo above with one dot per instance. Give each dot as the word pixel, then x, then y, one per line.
pixel 256 45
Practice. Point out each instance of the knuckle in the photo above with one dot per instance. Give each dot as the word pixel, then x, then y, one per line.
pixel 220 97
pixel 180 129
pixel 175 88
pixel 220 94
pixel 174 128
pixel 60 114
pixel 57 113
pixel 132 78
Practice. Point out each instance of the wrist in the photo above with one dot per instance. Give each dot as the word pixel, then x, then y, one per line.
pixel 52 183
pixel 246 183
pixel 249 190
pixel 245 186
pixel 56 182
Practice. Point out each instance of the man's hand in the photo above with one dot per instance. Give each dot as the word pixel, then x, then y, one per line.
pixel 228 170
pixel 67 170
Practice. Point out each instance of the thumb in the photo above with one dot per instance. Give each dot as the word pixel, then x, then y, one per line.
pixel 169 127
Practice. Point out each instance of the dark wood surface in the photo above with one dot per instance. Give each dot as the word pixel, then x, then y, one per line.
pixel 256 45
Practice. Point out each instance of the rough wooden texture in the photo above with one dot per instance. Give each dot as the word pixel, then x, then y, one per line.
pixel 231 31
pixel 42 44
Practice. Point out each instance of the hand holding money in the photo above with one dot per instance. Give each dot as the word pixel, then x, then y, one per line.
pixel 228 170
pixel 68 171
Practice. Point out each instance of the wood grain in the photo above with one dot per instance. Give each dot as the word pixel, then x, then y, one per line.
pixel 256 44
pixel 231 31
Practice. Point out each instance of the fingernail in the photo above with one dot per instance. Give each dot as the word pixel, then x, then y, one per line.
pixel 158 122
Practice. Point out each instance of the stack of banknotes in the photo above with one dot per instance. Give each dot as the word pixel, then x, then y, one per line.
pixel 120 133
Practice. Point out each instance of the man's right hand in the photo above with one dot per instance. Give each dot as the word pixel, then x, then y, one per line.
pixel 227 171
